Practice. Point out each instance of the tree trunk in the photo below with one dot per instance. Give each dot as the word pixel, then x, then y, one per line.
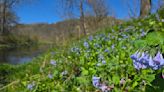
pixel 145 8
pixel 82 25
pixel 3 17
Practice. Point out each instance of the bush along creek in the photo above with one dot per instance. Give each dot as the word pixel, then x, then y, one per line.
pixel 124 58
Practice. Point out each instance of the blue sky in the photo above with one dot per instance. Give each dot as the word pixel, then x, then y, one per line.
pixel 44 11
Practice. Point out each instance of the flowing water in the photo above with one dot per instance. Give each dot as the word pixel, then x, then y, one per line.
pixel 22 55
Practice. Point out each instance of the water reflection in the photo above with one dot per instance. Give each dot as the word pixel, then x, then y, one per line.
pixel 21 55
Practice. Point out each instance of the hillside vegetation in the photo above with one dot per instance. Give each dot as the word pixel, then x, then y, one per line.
pixel 124 58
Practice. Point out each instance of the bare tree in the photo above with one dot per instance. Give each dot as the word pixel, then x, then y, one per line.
pixel 145 8
pixel 7 17
pixel 78 5
pixel 97 12
pixel 133 7
pixel 98 8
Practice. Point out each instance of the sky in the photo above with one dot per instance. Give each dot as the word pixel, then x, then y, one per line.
pixel 46 11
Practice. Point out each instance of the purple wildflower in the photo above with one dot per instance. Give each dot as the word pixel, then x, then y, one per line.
pixel 103 62
pixel 90 38
pixel 86 44
pixel 145 61
pixel 122 81
pixel 135 55
pixel 50 76
pixel 162 20
pixel 97 45
pixel 96 81
pixel 31 86
pixel 159 59
pixel 100 57
pixel 123 47
pixel 106 50
pixel 64 73
pixel 98 64
pixel 113 46
pixel 143 33
pixel 151 62
pixel 53 62
pixel 157 16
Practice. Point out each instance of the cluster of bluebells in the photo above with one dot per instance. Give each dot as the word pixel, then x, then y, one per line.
pixel 53 62
pixel 143 33
pixel 31 86
pixel 86 44
pixel 103 87
pixel 76 50
pixel 64 73
pixel 144 60
pixel 101 60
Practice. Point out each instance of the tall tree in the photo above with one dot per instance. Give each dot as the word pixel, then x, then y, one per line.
pixel 99 8
pixel 145 8
pixel 82 20
pixel 97 12
pixel 69 10
pixel 79 7
pixel 6 14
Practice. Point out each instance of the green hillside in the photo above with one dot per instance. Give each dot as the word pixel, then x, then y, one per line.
pixel 107 60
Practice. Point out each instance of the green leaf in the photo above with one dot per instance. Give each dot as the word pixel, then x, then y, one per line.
pixel 84 71
pixel 24 83
pixel 116 79
pixel 134 84
pixel 150 78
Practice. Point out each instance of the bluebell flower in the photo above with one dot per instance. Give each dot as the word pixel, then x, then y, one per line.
pixel 142 58
pixel 96 81
pixel 159 59
pixel 97 45
pixel 123 47
pixel 135 55
pixel 125 36
pixel 143 33
pixel 75 50
pixel 90 38
pixel 162 20
pixel 106 50
pixel 122 81
pixel 102 86
pixel 50 76
pixel 113 37
pixel 137 65
pixel 119 39
pixel 157 16
pixel 98 64
pixel 100 57
pixel 151 62
pixel 86 44
pixel 145 61
pixel 52 53
pixel 113 46
pixel 112 30
pixel 103 62
pixel 64 72
pixel 106 39
pixel 30 86
pixel 53 62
